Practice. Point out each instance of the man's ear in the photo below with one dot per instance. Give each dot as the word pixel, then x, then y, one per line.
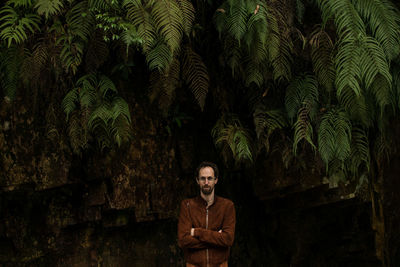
pixel 216 180
pixel 197 180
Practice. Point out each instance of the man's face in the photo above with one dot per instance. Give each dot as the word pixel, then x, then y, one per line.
pixel 206 180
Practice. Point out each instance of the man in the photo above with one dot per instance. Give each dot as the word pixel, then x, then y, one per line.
pixel 206 224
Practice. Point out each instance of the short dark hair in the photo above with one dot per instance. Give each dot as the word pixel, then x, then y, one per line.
pixel 207 164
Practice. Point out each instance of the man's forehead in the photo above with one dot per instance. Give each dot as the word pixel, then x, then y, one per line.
pixel 206 171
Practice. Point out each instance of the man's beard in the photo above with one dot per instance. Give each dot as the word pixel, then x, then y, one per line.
pixel 207 190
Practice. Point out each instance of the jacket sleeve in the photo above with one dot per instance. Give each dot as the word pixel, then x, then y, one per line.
pixel 185 240
pixel 225 238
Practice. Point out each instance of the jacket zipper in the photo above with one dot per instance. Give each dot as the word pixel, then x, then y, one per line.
pixel 207 228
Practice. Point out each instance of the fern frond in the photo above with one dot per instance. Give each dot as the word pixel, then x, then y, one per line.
pixel 280 45
pixel 188 14
pixel 163 85
pixel 356 107
pixel 303 90
pixel 195 74
pixel 322 58
pixel 334 136
pixel 347 20
pixel 359 150
pixel 69 102
pixel 48 7
pixel 300 9
pixel 141 18
pixel 10 65
pixel 348 69
pixel 14 28
pixel 229 132
pixel 160 56
pixel 168 22
pixel 268 120
pixel 20 3
pixel 302 128
pixel 382 17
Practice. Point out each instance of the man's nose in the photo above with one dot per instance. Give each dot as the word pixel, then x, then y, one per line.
pixel 206 181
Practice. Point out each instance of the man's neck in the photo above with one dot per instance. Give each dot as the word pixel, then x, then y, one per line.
pixel 208 198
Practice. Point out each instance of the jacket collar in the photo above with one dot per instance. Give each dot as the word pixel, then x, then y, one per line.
pixel 201 201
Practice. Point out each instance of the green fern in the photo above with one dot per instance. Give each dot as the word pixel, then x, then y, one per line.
pixel 160 56
pixel 359 150
pixel 11 60
pixel 322 55
pixel 303 129
pixel 140 17
pixel 230 135
pixel 14 27
pixel 48 7
pixel 266 122
pixel 302 91
pixel 188 15
pixel 195 74
pixel 334 136
pixel 382 17
pixel 20 3
pixel 163 85
pixel 106 116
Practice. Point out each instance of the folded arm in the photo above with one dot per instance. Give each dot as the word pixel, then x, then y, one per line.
pixel 222 238
pixel 185 240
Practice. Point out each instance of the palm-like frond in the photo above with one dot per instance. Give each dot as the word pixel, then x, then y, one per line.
pixel 323 58
pixel 359 150
pixel 348 69
pixel 48 7
pixel 140 17
pixel 105 115
pixel 280 45
pixel 20 3
pixel 195 74
pixel 10 64
pixel 188 13
pixel 303 90
pixel 302 128
pixel 228 132
pixel 163 85
pixel 168 21
pixel 266 122
pixel 334 136
pixel 160 56
pixel 14 28
pixel 347 20
pixel 382 17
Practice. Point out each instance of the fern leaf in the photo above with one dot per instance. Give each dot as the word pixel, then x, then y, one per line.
pixel 359 150
pixel 303 90
pixel 48 7
pixel 383 19
pixel 163 85
pixel 160 56
pixel 303 129
pixel 168 22
pixel 14 28
pixel 334 136
pixel 20 3
pixel 229 133
pixel 196 75
pixel 188 14
pixel 348 69
pixel 322 58
pixel 141 18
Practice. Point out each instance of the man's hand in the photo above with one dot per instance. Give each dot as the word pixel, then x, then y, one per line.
pixel 192 231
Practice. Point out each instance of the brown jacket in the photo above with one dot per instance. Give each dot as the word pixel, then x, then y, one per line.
pixel 207 244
